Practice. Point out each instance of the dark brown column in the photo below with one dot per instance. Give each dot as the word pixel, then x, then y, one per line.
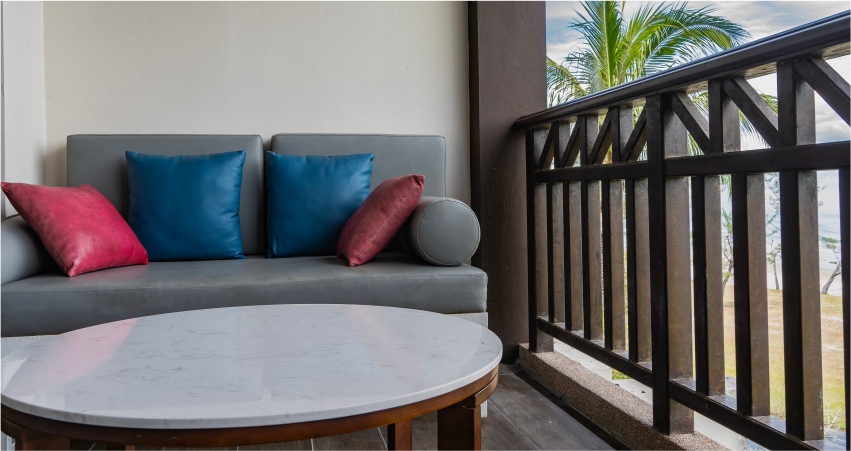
pixel 507 80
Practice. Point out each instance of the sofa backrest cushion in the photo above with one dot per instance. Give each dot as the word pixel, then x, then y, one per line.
pixel 99 161
pixel 395 155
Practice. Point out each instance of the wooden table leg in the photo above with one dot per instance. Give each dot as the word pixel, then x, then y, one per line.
pixel 43 442
pixel 459 426
pixel 400 436
pixel 27 439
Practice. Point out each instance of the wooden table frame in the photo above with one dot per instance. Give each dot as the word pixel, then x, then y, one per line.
pixel 458 426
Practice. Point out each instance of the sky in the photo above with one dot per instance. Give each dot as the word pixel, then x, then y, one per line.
pixel 760 19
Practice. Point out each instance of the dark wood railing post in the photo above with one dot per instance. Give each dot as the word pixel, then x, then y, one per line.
pixel 573 254
pixel 555 220
pixel 658 264
pixel 559 287
pixel 845 259
pixel 538 341
pixel 669 267
pixel 571 220
pixel 613 235
pixel 748 205
pixel 531 276
pixel 592 296
pixel 638 269
pixel 750 295
pixel 621 131
pixel 800 264
pixel 678 268
pixel 708 290
pixel 613 283
pixel 724 134
pixel 546 244
pixel 593 263
pixel 542 236
pixel 549 252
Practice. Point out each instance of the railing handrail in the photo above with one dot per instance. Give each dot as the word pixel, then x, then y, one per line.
pixel 805 40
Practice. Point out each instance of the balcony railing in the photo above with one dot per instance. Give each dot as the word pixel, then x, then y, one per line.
pixel 674 296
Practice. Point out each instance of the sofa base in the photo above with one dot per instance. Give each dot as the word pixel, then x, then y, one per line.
pixel 53 303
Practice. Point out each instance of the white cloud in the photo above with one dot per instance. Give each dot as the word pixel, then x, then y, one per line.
pixel 561 49
pixel 765 18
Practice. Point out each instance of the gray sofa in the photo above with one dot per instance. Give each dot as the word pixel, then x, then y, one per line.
pixel 38 299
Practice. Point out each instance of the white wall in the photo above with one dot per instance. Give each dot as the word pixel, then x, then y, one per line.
pixel 260 68
pixel 23 121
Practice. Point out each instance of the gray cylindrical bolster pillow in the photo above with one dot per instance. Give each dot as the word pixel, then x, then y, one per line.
pixel 442 231
pixel 23 254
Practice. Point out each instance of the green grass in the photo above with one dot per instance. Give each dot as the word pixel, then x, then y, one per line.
pixel 617 375
pixel 832 353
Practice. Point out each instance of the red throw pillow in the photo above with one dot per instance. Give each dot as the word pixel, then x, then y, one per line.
pixel 379 218
pixel 80 228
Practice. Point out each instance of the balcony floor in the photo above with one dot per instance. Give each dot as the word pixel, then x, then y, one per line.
pixel 521 415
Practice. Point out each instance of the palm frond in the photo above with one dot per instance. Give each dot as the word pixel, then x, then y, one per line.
pixel 682 34
pixel 657 36
pixel 562 86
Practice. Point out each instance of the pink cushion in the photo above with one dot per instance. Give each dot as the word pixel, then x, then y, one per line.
pixel 379 218
pixel 80 228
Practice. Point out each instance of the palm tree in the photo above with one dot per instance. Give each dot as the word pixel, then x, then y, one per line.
pixel 656 37
pixel 618 49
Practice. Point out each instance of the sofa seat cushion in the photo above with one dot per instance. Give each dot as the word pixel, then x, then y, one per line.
pixel 53 303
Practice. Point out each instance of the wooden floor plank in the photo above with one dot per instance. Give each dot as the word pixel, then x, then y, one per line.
pixel 81 445
pixel 508 369
pixel 543 422
pixel 366 439
pixel 425 432
pixel 499 433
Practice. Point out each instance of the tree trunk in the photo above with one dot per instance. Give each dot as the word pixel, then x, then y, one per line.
pixel 776 281
pixel 836 272
pixel 727 277
pixel 728 255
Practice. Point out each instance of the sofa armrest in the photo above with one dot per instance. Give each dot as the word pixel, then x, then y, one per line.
pixel 23 255
pixel 442 231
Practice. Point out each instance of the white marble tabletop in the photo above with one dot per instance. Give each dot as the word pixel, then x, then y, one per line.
pixel 246 366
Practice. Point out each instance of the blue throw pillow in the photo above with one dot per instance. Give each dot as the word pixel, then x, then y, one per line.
pixel 310 200
pixel 186 207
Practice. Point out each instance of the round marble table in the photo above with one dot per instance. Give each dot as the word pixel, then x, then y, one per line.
pixel 249 375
